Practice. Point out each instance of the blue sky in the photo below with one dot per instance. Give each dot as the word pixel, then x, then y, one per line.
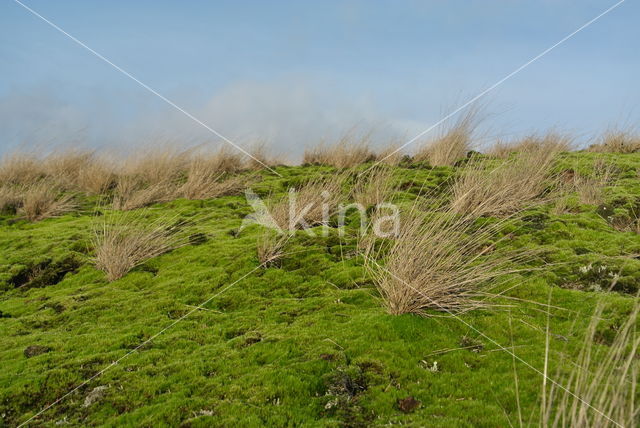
pixel 295 72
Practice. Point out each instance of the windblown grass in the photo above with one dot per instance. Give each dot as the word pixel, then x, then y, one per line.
pixel 590 188
pixel 132 192
pixel 452 144
pixel 483 189
pixel 344 154
pixel 602 388
pixel 375 186
pixel 552 141
pixel 270 247
pixel 41 200
pixel 309 205
pixel 617 141
pixel 9 198
pixel 126 241
pixel 21 169
pixel 437 262
pixel 204 181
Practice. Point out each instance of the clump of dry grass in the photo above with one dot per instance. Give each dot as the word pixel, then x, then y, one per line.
pixel 80 170
pixel 224 160
pixel 203 182
pixel 590 189
pixel 21 169
pixel 551 141
pixel 309 205
pixel 9 198
pixel 437 263
pixel 41 200
pixel 504 189
pixel 132 193
pixel 617 141
pixel 603 378
pixel 452 144
pixel 261 157
pixel 270 247
pixel 390 155
pixel 343 154
pixel 126 242
pixel 156 166
pixel 374 187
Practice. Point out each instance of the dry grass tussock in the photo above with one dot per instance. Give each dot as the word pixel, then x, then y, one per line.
pixel 390 155
pixel 590 188
pixel 617 141
pixel 452 144
pixel 80 170
pixel 41 200
pixel 343 154
pixel 308 205
pixel 204 182
pixel 483 189
pixel 133 193
pixel 10 198
pixel 436 262
pixel 604 377
pixel 375 186
pixel 270 247
pixel 127 241
pixel 552 141
pixel 21 169
pixel 261 157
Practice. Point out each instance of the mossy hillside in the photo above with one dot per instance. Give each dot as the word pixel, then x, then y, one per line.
pixel 303 343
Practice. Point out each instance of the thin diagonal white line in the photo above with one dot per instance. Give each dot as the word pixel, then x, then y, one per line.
pixel 147 87
pixel 499 82
pixel 494 342
pixel 114 363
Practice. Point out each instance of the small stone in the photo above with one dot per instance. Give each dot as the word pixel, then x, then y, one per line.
pixel 96 394
pixel 408 405
pixel 33 350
